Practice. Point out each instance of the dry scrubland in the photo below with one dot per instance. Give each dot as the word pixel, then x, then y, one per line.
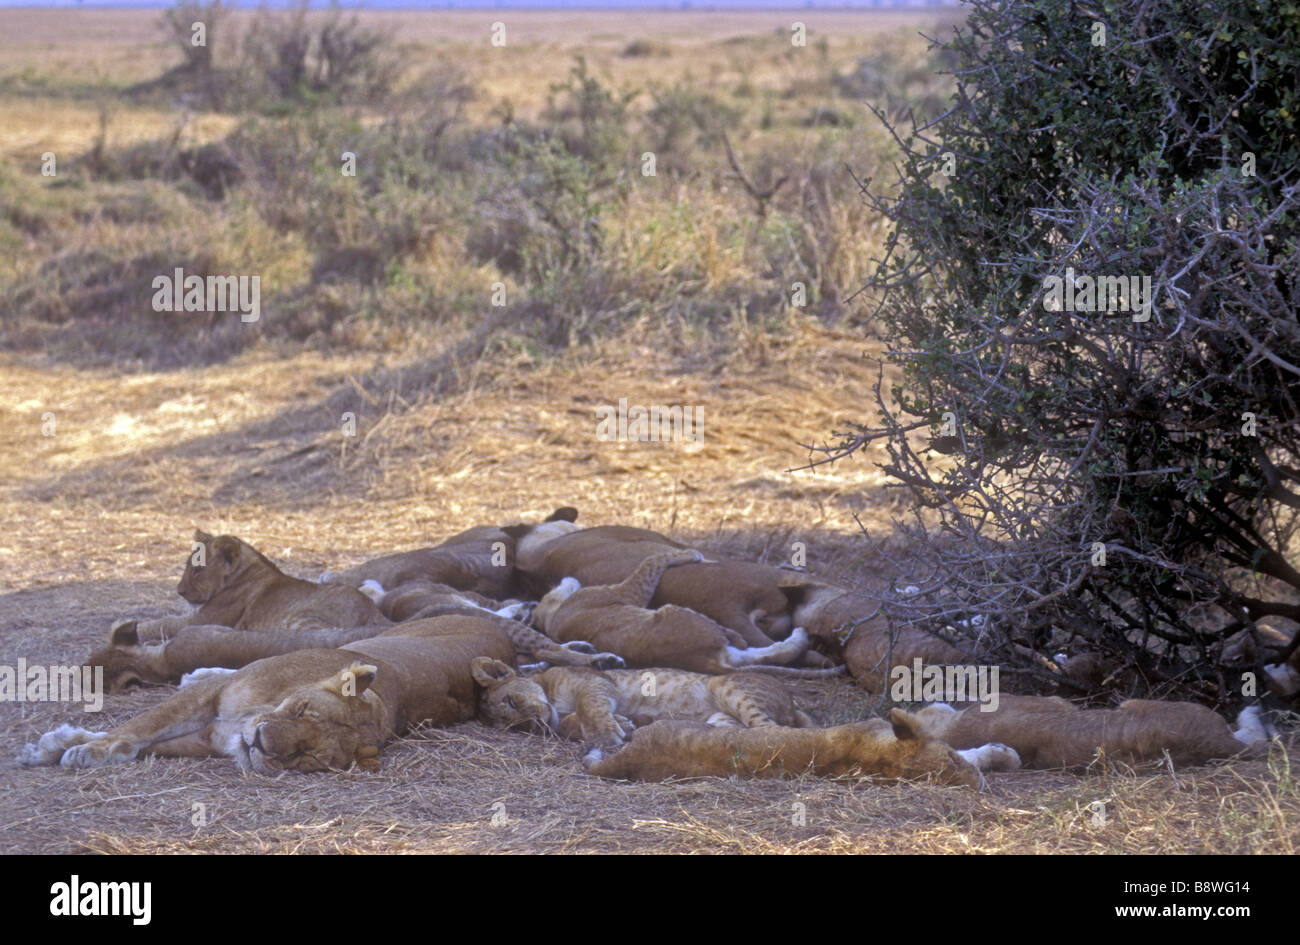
pixel 375 301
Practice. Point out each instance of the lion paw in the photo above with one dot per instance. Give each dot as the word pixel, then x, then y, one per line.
pixel 52 746
pixel 95 754
pixel 204 672
pixel 519 610
pixel 579 646
pixel 992 757
pixel 608 661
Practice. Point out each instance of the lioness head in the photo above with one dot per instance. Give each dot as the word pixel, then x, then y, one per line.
pixel 321 726
pixel 128 664
pixel 510 701
pixel 210 565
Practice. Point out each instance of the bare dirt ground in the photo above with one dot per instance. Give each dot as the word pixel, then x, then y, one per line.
pixel 95 520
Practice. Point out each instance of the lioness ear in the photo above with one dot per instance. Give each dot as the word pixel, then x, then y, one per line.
pixel 124 633
pixel 201 535
pixel 352 681
pixel 227 549
pixel 488 672
pixel 565 513
pixel 906 725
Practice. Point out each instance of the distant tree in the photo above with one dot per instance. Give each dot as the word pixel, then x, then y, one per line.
pixel 179 22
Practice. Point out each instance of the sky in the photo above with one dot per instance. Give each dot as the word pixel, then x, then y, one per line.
pixel 519 4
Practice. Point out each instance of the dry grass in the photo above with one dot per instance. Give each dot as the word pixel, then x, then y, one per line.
pixel 95 519
pixel 87 49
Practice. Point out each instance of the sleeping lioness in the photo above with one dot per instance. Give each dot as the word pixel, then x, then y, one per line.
pixel 308 710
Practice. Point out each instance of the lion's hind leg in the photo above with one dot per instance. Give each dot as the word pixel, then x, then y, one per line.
pixel 639 587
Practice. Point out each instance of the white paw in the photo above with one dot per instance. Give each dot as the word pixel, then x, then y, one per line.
pixel 204 672
pixel 1286 679
pixel 1250 726
pixel 372 589
pixel 51 746
pixel 798 637
pixel 566 588
pixel 593 756
pixel 992 757
pixel 93 754
pixel 519 610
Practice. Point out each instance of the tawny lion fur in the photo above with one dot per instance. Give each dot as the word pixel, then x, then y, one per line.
pixel 1049 732
pixel 741 595
pixel 602 708
pixel 239 587
pixel 309 710
pixel 896 749
pixel 616 618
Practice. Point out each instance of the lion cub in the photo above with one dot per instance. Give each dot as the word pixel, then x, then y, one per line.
pixel 1049 732
pixel 897 749
pixel 602 708
pixel 232 584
